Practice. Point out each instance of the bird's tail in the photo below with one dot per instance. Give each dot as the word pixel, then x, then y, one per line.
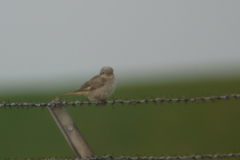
pixel 71 93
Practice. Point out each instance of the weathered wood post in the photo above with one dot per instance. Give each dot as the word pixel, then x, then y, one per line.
pixel 70 131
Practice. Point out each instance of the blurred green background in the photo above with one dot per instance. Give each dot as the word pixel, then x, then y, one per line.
pixel 147 129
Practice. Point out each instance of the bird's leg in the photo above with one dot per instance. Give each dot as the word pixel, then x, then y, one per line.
pixel 102 101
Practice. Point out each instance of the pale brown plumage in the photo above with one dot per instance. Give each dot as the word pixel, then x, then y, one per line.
pixel 99 87
pixel 94 83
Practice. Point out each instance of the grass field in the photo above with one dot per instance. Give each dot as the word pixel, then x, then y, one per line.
pixel 147 129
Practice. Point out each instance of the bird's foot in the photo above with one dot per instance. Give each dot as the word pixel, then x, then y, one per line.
pixel 102 102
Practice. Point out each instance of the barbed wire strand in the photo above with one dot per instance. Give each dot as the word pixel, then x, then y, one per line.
pixel 130 102
pixel 201 156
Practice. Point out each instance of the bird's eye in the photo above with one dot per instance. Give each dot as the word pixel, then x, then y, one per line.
pixel 102 72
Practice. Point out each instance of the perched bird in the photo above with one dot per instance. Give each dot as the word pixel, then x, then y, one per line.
pixel 99 87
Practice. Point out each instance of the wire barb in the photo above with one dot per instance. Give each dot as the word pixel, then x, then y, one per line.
pixel 4 105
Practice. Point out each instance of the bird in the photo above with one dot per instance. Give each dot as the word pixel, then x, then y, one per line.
pixel 99 88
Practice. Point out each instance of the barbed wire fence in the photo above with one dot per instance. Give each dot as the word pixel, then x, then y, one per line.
pixel 202 156
pixel 6 104
pixel 74 137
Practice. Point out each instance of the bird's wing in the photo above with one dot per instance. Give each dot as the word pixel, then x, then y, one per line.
pixel 94 83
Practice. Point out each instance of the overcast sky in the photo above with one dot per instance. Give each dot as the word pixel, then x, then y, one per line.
pixel 48 40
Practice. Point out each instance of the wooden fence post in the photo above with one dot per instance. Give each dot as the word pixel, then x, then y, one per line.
pixel 70 131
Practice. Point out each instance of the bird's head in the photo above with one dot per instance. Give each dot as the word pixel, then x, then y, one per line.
pixel 107 72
